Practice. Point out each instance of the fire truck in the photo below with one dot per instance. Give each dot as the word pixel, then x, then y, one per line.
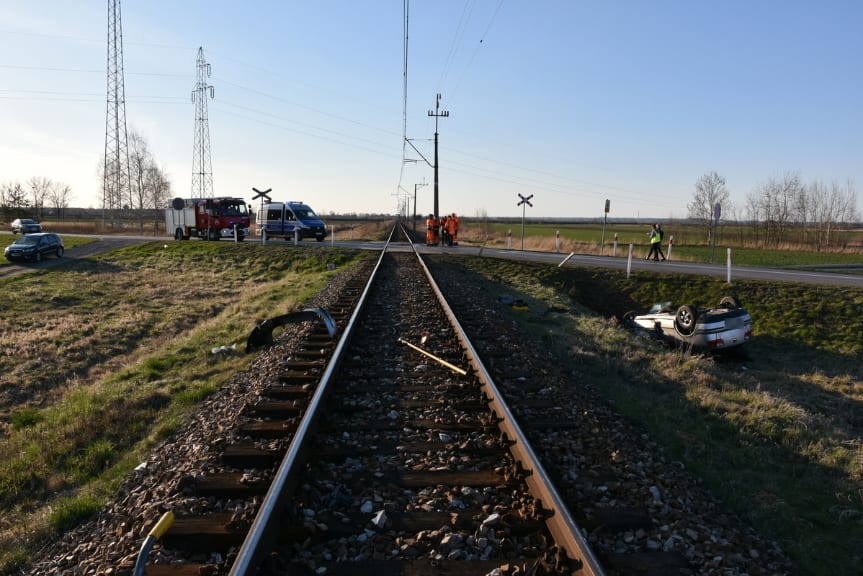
pixel 207 218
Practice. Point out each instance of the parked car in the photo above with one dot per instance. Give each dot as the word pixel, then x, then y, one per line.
pixel 35 246
pixel 25 226
pixel 725 326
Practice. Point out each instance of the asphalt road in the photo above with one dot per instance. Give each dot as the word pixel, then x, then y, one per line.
pixel 810 275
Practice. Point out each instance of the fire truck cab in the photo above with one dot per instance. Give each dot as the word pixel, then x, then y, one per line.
pixel 207 218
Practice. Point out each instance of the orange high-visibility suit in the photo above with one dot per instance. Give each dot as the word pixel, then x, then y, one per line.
pixel 431 231
pixel 452 229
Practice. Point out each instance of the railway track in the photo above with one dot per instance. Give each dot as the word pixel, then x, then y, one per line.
pixel 386 449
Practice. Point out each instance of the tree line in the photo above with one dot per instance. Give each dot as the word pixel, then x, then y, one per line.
pixel 782 210
pixel 33 197
pixel 148 193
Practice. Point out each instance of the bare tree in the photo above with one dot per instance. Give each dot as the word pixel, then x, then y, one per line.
pixel 39 187
pixel 158 189
pixel 14 200
pixel 140 161
pixel 59 196
pixel 778 198
pixel 709 190
pixel 833 208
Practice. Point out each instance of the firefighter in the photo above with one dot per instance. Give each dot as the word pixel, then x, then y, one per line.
pixel 452 229
pixel 431 230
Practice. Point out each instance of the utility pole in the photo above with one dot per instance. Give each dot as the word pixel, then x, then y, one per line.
pixel 414 221
pixel 437 113
pixel 115 179
pixel 202 169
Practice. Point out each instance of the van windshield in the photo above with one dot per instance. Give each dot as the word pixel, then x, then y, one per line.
pixel 304 213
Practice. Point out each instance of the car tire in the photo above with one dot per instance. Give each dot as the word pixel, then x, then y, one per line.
pixel 37 257
pixel 628 319
pixel 729 303
pixel 684 320
pixel 60 251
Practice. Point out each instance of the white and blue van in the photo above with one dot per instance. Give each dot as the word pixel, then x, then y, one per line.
pixel 284 218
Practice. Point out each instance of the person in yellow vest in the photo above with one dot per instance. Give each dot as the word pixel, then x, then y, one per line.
pixel 431 230
pixel 655 244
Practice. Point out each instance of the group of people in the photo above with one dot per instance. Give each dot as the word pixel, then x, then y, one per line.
pixel 443 230
pixel 655 243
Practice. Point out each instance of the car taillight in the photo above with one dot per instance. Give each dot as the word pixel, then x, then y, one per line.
pixel 718 343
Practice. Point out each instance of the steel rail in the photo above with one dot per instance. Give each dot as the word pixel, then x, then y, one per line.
pixel 561 524
pixel 260 539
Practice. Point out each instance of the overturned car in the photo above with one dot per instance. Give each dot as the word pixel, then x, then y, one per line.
pixel 725 326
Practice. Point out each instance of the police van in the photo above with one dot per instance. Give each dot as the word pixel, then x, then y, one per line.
pixel 283 219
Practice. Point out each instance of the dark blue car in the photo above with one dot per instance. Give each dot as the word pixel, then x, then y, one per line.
pixel 34 247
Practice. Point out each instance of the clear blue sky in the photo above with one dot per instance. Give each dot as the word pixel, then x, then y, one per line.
pixel 571 101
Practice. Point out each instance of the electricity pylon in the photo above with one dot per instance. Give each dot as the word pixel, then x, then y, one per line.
pixel 202 169
pixel 115 178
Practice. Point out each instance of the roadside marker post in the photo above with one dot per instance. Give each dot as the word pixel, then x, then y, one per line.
pixel 728 275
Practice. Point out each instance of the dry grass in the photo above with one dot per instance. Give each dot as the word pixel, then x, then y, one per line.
pixel 108 354
pixel 776 433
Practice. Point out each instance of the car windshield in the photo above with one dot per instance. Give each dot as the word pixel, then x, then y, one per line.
pixel 27 241
pixel 28 221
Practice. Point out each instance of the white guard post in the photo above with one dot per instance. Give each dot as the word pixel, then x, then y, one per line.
pixel 728 276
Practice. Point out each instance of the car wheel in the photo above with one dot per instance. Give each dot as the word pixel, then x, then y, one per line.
pixel 59 251
pixel 629 319
pixel 38 257
pixel 729 303
pixel 684 320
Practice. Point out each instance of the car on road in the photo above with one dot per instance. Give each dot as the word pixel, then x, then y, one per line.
pixel 727 325
pixel 25 226
pixel 34 247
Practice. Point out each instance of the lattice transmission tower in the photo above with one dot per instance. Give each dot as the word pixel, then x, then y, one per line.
pixel 202 169
pixel 116 180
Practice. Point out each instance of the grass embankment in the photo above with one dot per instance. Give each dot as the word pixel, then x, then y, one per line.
pixel 102 358
pixel 775 433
